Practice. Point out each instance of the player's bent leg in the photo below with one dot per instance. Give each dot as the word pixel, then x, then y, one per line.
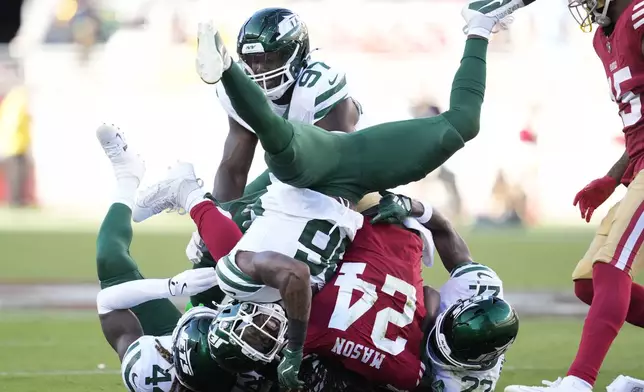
pixel 584 290
pixel 250 103
pixel 397 153
pixel 114 265
pixel 614 262
pixel 468 90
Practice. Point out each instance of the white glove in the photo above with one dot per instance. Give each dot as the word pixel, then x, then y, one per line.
pixel 195 248
pixel 192 282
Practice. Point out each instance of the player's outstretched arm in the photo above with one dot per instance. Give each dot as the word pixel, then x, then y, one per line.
pixel 120 326
pixel 236 160
pixel 451 247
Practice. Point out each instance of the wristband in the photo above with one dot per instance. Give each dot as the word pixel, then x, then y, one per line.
pixel 428 211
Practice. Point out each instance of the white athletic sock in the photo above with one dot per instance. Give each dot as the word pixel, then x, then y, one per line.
pixel 126 191
pixel 195 198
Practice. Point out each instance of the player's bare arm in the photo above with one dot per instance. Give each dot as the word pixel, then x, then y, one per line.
pixel 451 247
pixel 237 157
pixel 120 328
pixel 617 171
pixel 432 300
pixel 343 117
pixel 292 279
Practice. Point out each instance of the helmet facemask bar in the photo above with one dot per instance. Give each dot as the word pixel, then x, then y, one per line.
pixel 243 322
pixel 265 79
pixel 587 12
pixel 441 341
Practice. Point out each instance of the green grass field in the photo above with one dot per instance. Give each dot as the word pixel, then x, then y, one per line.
pixel 60 351
pixel 538 259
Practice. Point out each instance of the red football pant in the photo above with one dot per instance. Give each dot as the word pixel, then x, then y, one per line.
pixel 608 310
pixel 218 232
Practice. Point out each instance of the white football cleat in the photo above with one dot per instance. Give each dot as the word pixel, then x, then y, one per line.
pixel 212 57
pixel 566 384
pixel 171 193
pixel 486 14
pixel 626 384
pixel 125 162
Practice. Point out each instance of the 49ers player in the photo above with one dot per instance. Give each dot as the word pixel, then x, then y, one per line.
pixel 603 277
pixel 370 316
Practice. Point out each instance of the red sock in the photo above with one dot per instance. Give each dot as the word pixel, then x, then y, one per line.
pixel 219 233
pixel 584 291
pixel 612 288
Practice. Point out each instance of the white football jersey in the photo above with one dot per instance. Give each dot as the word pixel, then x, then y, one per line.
pixel 464 282
pixel 296 222
pixel 144 369
pixel 317 90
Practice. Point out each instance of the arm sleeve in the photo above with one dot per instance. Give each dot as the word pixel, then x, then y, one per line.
pixel 129 294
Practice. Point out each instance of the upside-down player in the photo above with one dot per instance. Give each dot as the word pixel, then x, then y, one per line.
pixel 273 48
pixel 338 168
pixel 603 277
pixel 136 316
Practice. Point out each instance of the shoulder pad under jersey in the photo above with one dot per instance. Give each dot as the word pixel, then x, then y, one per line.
pixel 317 90
pixel 469 280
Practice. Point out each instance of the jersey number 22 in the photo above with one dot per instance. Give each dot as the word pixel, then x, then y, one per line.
pixel 345 314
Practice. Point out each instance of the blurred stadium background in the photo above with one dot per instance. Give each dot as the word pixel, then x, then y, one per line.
pixel 548 127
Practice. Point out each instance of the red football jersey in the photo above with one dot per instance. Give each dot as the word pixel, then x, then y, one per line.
pixel 369 316
pixel 621 54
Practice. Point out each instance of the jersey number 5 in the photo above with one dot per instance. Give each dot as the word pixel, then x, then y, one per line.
pixel 633 114
pixel 345 314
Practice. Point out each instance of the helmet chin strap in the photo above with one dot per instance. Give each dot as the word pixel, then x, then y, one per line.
pixel 601 18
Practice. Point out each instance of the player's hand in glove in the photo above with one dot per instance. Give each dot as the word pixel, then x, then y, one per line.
pixel 196 248
pixel 392 208
pixel 192 282
pixel 289 368
pixel 593 195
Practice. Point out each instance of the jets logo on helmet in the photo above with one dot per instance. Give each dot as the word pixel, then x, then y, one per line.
pixel 184 354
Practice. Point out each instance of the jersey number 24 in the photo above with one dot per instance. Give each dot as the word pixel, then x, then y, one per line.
pixel 632 116
pixel 345 314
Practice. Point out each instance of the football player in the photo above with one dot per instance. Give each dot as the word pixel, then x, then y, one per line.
pixel 603 276
pixel 274 49
pixel 136 316
pixel 379 335
pixel 464 349
pixel 316 224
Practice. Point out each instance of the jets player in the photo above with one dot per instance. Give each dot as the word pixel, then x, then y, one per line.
pixel 475 326
pixel 604 275
pixel 136 317
pixel 315 225
pixel 274 49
